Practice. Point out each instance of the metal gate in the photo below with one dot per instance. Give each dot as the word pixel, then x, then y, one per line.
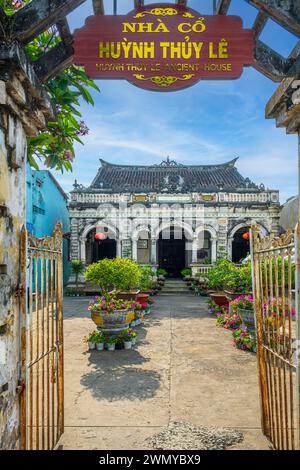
pixel 42 395
pixel 277 324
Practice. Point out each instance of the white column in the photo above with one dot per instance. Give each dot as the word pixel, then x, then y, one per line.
pixel 134 249
pixel 214 250
pixel 153 251
pixel 194 250
pixel 119 254
pixel 229 248
pixel 82 250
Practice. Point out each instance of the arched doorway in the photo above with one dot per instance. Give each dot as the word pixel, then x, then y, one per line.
pixel 240 245
pixel 171 250
pixel 204 247
pixel 97 250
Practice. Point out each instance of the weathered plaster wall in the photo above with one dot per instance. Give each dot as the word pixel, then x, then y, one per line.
pixel 12 216
pixel 23 112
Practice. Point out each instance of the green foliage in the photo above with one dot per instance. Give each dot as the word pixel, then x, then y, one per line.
pixel 146 282
pixel 162 272
pixel 92 337
pixel 226 275
pixel 77 268
pixel 118 273
pixel 216 277
pixel 239 279
pixel 55 146
pixel 186 272
pixel 275 269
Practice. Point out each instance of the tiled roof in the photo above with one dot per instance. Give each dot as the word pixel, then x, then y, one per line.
pixel 169 176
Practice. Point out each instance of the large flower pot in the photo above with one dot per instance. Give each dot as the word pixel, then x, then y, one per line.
pixel 112 322
pixel 220 299
pixel 248 319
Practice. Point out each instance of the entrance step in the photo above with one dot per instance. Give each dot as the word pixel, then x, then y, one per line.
pixel 175 287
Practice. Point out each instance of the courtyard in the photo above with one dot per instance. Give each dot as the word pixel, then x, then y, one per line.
pixel 182 369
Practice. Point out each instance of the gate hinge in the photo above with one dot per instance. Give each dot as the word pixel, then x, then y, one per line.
pixel 20 291
pixel 20 387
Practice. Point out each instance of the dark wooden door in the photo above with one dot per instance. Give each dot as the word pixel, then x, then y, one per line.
pixel 172 256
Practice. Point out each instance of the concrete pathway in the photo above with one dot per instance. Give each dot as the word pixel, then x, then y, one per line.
pixel 183 368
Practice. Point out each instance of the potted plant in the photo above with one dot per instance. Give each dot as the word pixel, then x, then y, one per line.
pixel 186 273
pixel 244 306
pixel 244 340
pixel 127 338
pixel 120 275
pixel 91 340
pixel 161 274
pixel 100 340
pixel 238 281
pixel 111 314
pixel 134 336
pixel 111 342
pixel 216 278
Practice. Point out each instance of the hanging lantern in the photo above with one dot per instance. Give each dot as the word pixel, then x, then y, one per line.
pixel 100 236
pixel 246 236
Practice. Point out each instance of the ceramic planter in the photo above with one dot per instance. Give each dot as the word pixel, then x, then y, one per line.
pixel 112 322
pixel 111 347
pixel 99 346
pixel 133 341
pixel 127 344
pixel 247 317
pixel 220 299
pixel 91 345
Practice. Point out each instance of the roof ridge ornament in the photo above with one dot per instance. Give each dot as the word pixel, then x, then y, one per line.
pixel 169 163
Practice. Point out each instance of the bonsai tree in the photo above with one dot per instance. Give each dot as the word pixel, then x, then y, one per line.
pixel 77 268
pixel 127 274
pixel 118 274
pixel 101 274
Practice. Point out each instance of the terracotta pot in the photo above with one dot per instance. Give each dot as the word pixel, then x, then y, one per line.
pixel 142 298
pixel 220 299
pixel 128 295
pixel 112 322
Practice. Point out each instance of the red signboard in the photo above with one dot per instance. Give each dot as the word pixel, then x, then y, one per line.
pixel 164 47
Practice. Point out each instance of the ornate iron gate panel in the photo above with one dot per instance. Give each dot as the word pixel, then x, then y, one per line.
pixel 274 269
pixel 42 397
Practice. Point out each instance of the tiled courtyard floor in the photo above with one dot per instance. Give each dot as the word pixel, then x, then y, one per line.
pixel 183 368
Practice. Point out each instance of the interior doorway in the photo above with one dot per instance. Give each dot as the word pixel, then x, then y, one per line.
pixel 240 245
pixel 171 251
pixel 97 250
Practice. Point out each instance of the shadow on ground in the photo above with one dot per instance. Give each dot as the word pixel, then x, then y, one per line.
pixel 118 375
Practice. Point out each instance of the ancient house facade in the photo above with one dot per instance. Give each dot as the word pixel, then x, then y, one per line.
pixel 170 215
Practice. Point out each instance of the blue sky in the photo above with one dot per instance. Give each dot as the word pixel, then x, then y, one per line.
pixel 211 122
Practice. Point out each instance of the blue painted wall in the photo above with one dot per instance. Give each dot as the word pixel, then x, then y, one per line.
pixel 46 205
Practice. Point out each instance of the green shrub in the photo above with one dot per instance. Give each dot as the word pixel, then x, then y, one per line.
pixel 162 272
pixel 146 282
pixel 186 272
pixel 118 273
pixel 216 277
